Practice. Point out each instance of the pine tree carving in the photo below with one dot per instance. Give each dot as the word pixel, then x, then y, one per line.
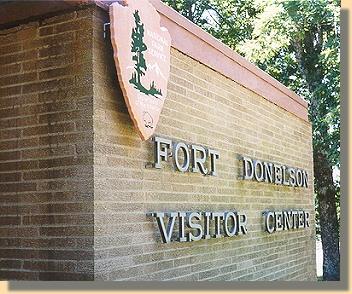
pixel 140 67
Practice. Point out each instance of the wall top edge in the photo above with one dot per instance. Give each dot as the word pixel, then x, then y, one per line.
pixel 227 62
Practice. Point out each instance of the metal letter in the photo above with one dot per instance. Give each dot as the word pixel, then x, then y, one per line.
pixel 192 225
pixel 242 224
pixel 206 224
pixel 278 221
pixel 286 221
pixel 294 219
pixel 247 163
pixel 213 156
pixel 165 234
pixel 284 182
pixel 268 174
pixel 278 173
pixel 306 219
pixel 233 231
pixel 258 163
pixel 299 178
pixel 198 163
pixel 292 176
pixel 305 179
pixel 181 224
pixel 269 228
pixel 300 219
pixel 160 153
pixel 184 167
pixel 217 217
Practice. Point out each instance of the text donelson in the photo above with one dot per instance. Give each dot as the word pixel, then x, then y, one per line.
pixel 262 171
pixel 200 225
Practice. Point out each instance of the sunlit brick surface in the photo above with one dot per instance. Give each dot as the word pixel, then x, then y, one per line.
pixel 74 188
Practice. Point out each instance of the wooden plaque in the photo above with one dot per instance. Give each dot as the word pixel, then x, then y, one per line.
pixel 142 60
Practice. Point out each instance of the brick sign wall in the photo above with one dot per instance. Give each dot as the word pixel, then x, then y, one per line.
pixel 207 108
pixel 75 182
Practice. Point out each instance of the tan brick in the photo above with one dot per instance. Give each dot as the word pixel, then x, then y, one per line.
pixel 9 91
pixel 18 275
pixel 67 231
pixel 57 219
pixel 66 266
pixel 15 187
pixel 10 155
pixel 44 31
pixel 51 151
pixel 10 134
pixel 18 122
pixel 18 79
pixel 19 143
pixel 10 69
pixel 57 173
pixel 59 18
pixel 46 211
pixel 18 165
pixel 78 181
pixel 56 72
pixel 60 49
pixel 48 129
pixel 10 177
pixel 17 57
pixel 10 264
pixel 10 221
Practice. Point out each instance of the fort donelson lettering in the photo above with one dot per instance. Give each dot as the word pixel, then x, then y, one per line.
pixel 199 159
pixel 262 171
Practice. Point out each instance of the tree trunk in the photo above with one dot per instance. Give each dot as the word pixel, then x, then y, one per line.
pixel 329 225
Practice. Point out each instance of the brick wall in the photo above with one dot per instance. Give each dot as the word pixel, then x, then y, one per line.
pixel 73 183
pixel 207 108
pixel 46 131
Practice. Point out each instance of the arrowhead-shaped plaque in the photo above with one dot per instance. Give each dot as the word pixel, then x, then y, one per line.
pixel 142 60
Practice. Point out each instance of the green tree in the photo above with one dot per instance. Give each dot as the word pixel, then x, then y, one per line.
pixel 138 47
pixel 298 43
pixel 226 20
pixel 191 9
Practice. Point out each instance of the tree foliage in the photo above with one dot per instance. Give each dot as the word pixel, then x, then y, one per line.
pixel 138 47
pixel 225 20
pixel 304 55
pixel 298 43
